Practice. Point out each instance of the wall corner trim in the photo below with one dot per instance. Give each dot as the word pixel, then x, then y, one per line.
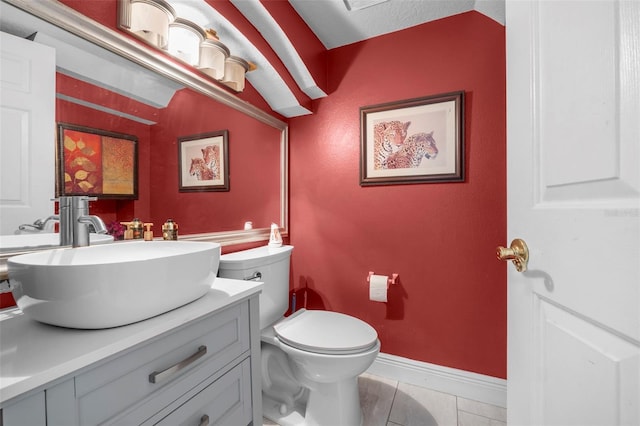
pixel 465 384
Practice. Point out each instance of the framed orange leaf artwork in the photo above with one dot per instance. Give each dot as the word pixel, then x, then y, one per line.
pixel 97 163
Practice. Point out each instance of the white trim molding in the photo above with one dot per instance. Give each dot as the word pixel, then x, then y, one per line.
pixel 465 384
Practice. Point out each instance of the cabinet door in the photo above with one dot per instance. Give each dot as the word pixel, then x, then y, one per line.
pixel 28 411
pixel 61 404
pixel 227 401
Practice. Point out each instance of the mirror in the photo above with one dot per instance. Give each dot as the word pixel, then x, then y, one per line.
pixel 258 142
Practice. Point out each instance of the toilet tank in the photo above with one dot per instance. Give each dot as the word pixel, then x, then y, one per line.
pixel 273 265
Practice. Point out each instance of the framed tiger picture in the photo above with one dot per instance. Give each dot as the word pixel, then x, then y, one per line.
pixel 417 140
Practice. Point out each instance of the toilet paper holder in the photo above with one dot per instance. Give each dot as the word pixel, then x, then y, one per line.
pixel 392 280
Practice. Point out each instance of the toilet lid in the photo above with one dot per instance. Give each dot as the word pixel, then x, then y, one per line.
pixel 326 332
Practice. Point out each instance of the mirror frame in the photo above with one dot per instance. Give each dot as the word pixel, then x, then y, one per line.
pixel 82 26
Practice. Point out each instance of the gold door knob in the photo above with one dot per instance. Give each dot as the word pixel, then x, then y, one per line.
pixel 518 253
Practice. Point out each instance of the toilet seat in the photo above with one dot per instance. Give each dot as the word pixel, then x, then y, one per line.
pixel 326 332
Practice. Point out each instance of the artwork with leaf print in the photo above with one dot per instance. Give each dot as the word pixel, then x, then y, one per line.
pixel 96 163
pixel 413 141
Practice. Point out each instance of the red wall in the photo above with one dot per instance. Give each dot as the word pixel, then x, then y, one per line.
pixel 450 306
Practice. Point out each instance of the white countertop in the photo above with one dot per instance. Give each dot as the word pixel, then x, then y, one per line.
pixel 33 354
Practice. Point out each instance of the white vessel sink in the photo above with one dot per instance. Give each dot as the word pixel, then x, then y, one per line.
pixel 112 284
pixel 42 240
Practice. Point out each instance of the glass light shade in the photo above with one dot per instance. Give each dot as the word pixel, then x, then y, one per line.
pixel 234 71
pixel 213 55
pixel 184 41
pixel 150 19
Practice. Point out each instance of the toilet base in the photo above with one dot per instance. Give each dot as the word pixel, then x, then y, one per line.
pixel 271 411
pixel 327 404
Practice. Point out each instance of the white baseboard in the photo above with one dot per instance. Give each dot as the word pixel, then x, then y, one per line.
pixel 465 384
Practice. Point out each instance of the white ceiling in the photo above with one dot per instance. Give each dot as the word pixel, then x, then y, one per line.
pixel 340 22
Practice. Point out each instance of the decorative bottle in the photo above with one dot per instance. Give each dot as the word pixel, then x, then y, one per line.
pixel 170 230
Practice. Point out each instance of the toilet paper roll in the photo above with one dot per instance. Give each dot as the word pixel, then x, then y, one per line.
pixel 378 288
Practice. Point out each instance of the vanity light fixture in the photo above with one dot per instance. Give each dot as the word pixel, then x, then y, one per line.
pixel 184 40
pixel 147 19
pixel 155 22
pixel 213 55
pixel 235 69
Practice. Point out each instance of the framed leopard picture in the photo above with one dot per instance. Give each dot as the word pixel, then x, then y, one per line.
pixel 417 140
pixel 203 162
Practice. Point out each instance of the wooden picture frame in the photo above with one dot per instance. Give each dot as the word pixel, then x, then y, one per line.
pixel 203 162
pixel 96 163
pixel 417 140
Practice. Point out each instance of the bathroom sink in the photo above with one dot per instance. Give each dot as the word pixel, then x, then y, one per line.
pixel 42 240
pixel 111 285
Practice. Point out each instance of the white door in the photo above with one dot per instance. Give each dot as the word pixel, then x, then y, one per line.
pixel 27 132
pixel 573 132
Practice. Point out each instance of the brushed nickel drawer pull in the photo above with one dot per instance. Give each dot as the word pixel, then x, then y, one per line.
pixel 158 376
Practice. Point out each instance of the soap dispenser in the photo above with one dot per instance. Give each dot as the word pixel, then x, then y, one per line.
pixel 148 234
pixel 128 233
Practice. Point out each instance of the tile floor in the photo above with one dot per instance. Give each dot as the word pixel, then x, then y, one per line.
pixel 388 402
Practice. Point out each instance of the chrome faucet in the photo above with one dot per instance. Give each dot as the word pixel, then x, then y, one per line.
pixel 75 220
pixel 64 215
pixel 39 225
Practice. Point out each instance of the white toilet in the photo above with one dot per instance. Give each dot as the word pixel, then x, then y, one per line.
pixel 310 360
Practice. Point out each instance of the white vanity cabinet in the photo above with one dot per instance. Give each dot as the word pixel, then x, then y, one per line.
pixel 27 411
pixel 182 364
pixel 203 371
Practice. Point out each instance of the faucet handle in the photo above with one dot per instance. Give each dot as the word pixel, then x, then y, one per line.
pixel 63 201
pixel 88 198
pixel 82 201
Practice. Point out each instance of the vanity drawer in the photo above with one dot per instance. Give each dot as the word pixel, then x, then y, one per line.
pixel 227 401
pixel 175 359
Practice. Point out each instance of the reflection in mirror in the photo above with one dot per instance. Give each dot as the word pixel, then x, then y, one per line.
pixel 195 105
pixel 254 163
